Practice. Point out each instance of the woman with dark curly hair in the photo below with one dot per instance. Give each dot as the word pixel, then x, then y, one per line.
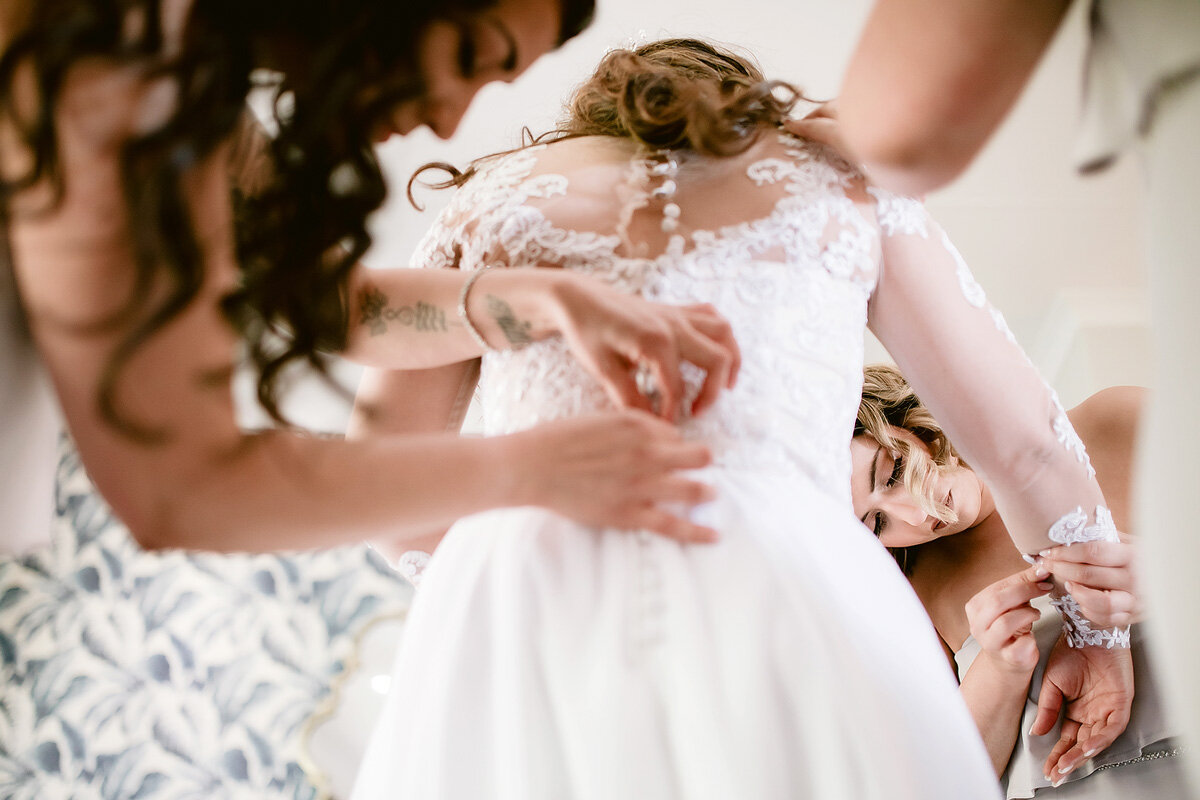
pixel 125 294
pixel 545 660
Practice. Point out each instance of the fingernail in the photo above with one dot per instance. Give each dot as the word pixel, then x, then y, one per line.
pixel 1048 779
pixel 1029 559
pixel 1058 783
pixel 1066 770
pixel 1044 553
pixel 1041 571
pixel 1045 586
pixel 1089 753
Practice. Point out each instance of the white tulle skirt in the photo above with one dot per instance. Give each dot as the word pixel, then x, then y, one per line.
pixel 546 661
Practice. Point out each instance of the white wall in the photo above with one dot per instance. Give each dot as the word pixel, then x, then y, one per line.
pixel 1055 251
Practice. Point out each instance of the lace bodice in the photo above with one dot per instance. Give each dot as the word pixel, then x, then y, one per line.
pixel 788 242
pixel 794 284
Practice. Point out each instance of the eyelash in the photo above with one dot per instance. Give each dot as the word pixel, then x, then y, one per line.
pixel 897 471
pixel 466 55
pixel 893 479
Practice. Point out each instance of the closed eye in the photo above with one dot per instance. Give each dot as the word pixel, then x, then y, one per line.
pixel 880 524
pixel 897 471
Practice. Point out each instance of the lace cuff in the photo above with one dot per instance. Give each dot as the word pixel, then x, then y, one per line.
pixel 1073 528
pixel 411 566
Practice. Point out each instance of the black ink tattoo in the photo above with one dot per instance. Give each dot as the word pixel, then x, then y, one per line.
pixel 375 313
pixel 516 331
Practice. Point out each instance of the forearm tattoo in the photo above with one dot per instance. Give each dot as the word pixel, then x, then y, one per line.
pixel 517 332
pixel 375 313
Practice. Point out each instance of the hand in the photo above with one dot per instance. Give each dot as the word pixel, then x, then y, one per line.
pixel 1097 685
pixel 613 470
pixel 612 333
pixel 1002 618
pixel 1100 576
pixel 821 125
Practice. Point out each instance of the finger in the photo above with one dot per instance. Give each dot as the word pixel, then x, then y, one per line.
pixel 666 524
pixel 714 360
pixel 1104 608
pixel 1104 734
pixel 1013 592
pixel 1050 700
pixel 817 129
pixel 680 491
pixel 678 455
pixel 662 357
pixel 708 321
pixel 1022 653
pixel 827 110
pixel 1010 624
pixel 1102 554
pixel 1119 578
pixel 1066 755
pixel 620 384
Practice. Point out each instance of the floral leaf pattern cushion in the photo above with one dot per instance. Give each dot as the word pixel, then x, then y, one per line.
pixel 156 676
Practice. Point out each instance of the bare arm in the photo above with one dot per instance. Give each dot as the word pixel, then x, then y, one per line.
pixel 396 402
pixel 210 486
pixel 997 683
pixel 931 80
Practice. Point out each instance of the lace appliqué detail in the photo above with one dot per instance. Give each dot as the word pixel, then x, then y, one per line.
pixel 1066 435
pixel 899 215
pixel 971 289
pixel 1079 632
pixel 1072 527
pixel 411 566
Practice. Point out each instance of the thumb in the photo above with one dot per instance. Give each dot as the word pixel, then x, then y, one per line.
pixel 1050 701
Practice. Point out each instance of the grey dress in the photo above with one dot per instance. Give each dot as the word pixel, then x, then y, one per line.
pixel 1141 763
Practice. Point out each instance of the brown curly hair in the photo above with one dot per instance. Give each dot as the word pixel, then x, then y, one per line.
pixel 303 229
pixel 669 94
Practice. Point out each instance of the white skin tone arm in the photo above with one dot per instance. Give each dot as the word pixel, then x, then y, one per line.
pixel 400 402
pixel 931 80
pixel 210 486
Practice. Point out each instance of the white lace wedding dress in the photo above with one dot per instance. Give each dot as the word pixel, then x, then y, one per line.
pixel 543 660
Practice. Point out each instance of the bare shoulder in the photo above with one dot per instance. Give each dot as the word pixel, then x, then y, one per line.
pixel 1109 413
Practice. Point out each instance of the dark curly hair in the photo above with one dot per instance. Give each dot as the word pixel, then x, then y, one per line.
pixel 669 94
pixel 302 228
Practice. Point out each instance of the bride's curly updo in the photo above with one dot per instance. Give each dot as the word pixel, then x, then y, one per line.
pixel 669 94
pixel 679 93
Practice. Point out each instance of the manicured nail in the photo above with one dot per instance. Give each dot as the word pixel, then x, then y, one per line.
pixel 1041 571
pixel 1045 586
pixel 1029 559
pixel 1067 769
pixel 1044 553
pixel 1089 753
pixel 1058 783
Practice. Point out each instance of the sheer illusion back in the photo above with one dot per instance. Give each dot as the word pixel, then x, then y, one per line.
pixel 771 237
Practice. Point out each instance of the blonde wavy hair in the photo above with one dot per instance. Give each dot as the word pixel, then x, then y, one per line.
pixel 888 401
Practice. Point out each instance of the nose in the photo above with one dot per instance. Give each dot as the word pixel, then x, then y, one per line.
pixel 901 506
pixel 446 108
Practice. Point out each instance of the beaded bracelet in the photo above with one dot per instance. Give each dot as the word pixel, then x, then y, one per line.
pixel 462 310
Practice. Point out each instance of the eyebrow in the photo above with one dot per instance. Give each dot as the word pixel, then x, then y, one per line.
pixel 871 486
pixel 510 61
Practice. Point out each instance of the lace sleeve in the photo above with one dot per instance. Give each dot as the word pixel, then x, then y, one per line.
pixel 961 358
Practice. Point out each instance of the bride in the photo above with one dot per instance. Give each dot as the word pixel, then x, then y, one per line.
pixel 790 659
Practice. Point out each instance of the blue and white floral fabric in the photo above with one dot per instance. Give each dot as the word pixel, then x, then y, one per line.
pixel 149 676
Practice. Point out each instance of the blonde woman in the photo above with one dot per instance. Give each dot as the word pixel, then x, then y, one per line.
pixel 988 605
